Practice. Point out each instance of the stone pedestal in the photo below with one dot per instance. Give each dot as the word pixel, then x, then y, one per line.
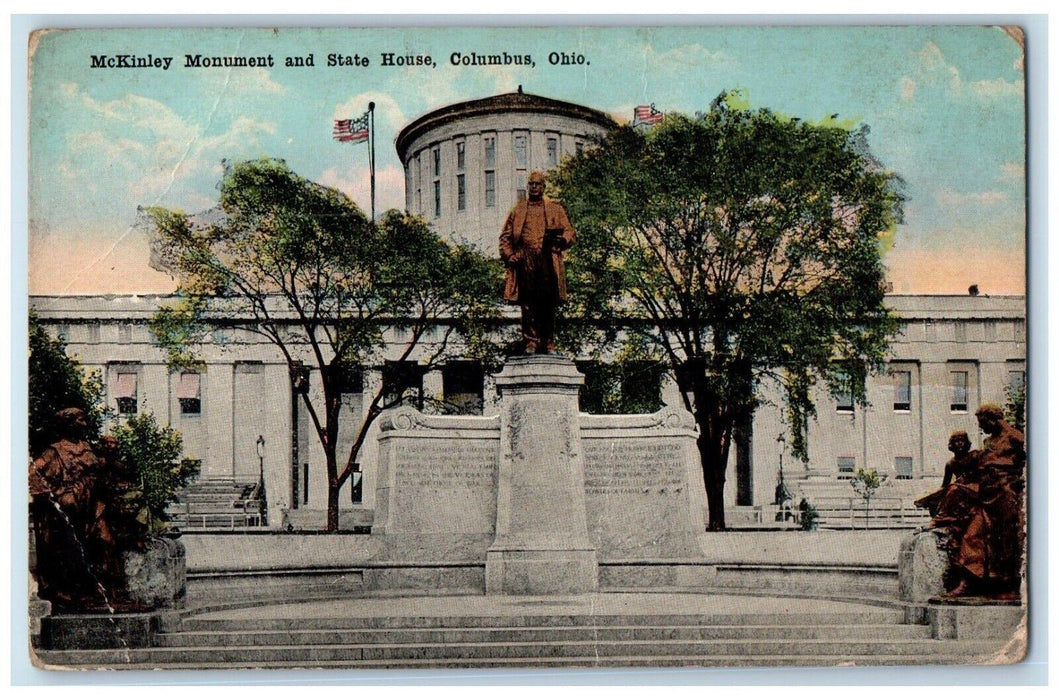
pixel 921 565
pixel 542 544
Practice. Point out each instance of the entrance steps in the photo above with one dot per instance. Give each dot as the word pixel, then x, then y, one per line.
pixel 237 640
pixel 217 504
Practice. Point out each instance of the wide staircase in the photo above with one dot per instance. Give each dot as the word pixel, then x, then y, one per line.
pixel 218 504
pixel 227 641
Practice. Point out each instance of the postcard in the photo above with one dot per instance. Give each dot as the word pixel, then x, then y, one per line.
pixel 527 347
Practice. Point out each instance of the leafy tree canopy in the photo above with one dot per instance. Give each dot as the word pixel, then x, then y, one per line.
pixel 736 244
pixel 57 381
pixel 301 265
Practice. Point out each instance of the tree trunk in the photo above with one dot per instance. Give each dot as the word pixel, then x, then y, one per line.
pixel 332 508
pixel 333 487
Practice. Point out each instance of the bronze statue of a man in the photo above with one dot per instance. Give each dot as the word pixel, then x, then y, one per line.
pixel 533 239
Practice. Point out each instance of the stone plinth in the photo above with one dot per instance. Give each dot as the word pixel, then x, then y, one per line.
pixel 922 563
pixel 542 543
pixel 436 491
pixel 643 486
pixel 156 577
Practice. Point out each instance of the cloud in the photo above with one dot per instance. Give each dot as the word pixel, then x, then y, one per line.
pixel 688 56
pixel 990 198
pixel 356 182
pixel 240 82
pixel 134 150
pixel 1012 171
pixel 908 89
pixel 935 69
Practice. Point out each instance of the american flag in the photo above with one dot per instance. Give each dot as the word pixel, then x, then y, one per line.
pixel 351 130
pixel 646 114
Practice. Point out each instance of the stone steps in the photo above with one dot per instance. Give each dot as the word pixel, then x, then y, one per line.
pixel 765 661
pixel 544 653
pixel 220 622
pixel 220 640
pixel 337 636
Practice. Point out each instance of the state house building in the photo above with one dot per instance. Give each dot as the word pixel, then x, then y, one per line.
pixel 465 166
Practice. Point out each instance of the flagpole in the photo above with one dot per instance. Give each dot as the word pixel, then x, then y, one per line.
pixel 371 155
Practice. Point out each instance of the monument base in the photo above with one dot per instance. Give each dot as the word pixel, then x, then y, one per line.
pixel 541 571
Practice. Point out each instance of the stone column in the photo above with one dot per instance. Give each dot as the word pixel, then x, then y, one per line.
pixel 542 543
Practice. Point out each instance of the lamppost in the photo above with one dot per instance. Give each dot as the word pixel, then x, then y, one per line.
pixel 261 478
pixel 783 494
pixel 261 460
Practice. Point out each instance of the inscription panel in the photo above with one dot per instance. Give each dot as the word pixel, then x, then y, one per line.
pixel 446 464
pixel 443 485
pixel 638 497
pixel 617 467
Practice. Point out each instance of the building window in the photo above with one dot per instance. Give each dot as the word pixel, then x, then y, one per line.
pixel 553 151
pixel 960 331
pixel 579 147
pixel 490 188
pixel 1016 380
pixel 903 467
pixel 462 386
pixel 461 192
pixel 402 384
pixel 521 155
pixel 189 394
pixel 846 467
pixel 125 393
pixel 844 397
pixel 521 145
pixel 902 390
pixel 356 485
pixel 436 155
pixel 348 382
pixel 437 198
pixel 958 381
pixel 461 155
pixel 620 387
pixel 489 144
pixel 520 185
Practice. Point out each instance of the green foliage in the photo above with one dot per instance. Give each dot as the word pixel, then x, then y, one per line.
pixel 57 381
pixel 150 454
pixel 1015 404
pixel 300 264
pixel 866 482
pixel 809 515
pixel 737 245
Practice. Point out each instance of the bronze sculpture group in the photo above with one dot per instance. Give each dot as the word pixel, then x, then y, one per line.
pixel 981 507
pixel 82 504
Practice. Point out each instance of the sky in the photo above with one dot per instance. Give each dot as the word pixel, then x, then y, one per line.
pixel 945 107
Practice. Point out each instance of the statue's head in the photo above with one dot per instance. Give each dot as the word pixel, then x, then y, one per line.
pixel 959 443
pixel 989 416
pixel 72 422
pixel 535 185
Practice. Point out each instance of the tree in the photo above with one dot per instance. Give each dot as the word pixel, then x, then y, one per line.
pixel 148 451
pixel 865 483
pixel 57 381
pixel 299 264
pixel 736 245
pixel 153 453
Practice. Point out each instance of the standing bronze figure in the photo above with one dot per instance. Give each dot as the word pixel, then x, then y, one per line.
pixel 533 239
